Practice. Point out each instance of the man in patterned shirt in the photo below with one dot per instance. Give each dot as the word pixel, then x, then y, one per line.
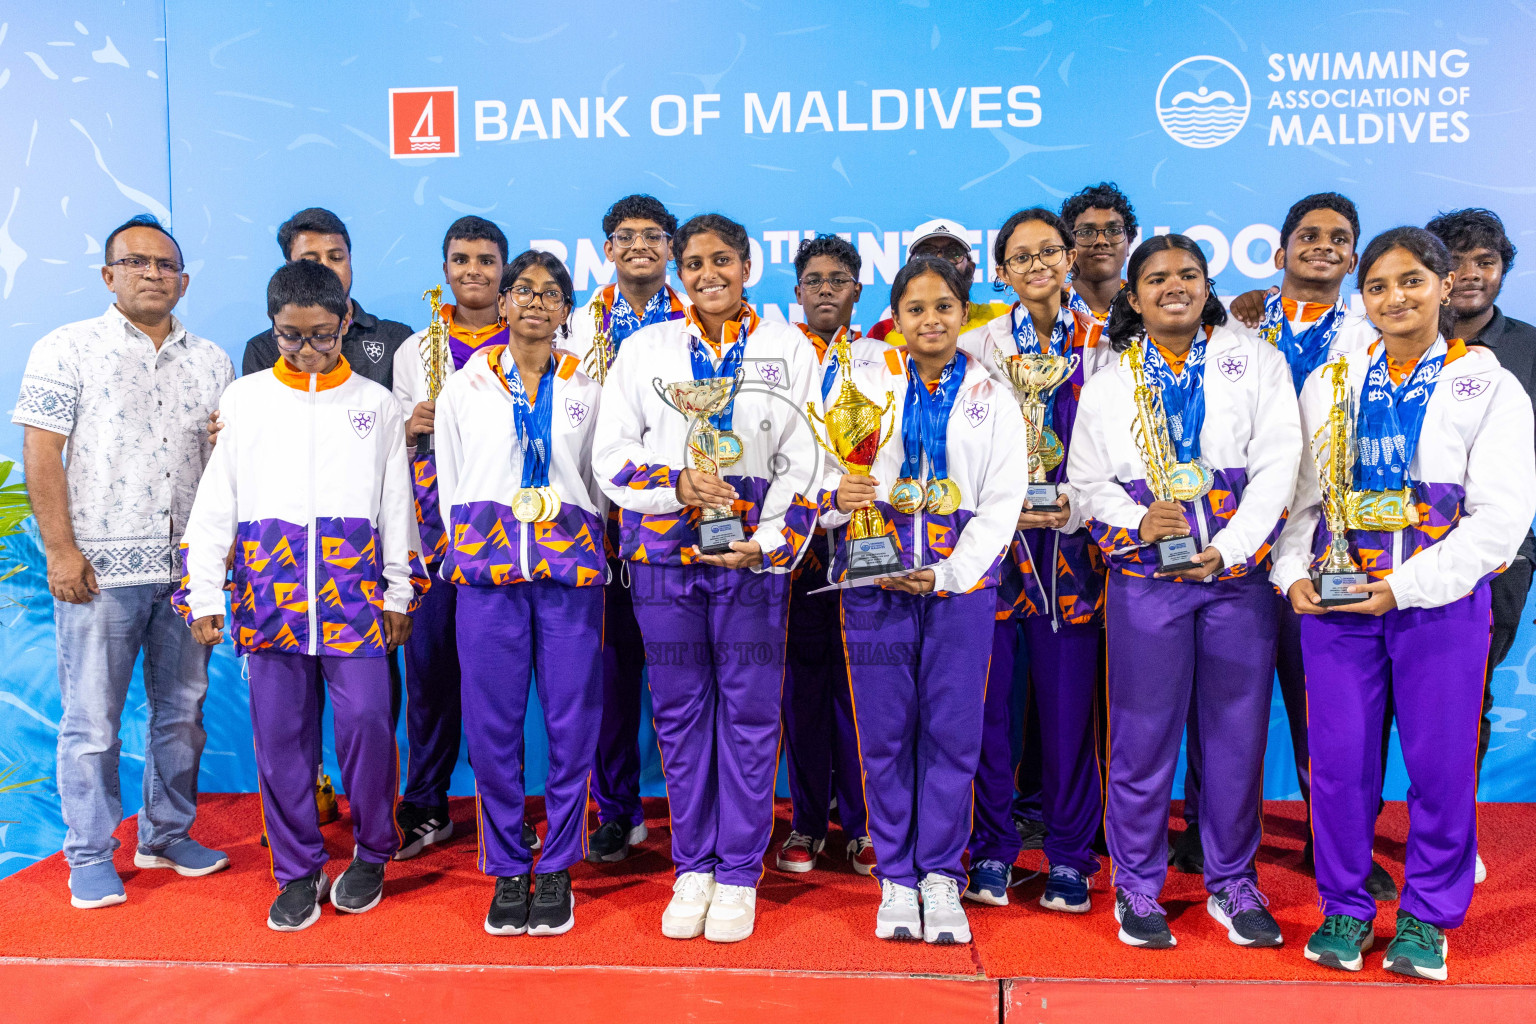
pixel 128 393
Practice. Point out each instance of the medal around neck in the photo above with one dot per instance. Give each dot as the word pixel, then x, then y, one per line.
pixel 1167 478
pixel 700 401
pixel 1035 376
pixel 853 425
pixel 433 347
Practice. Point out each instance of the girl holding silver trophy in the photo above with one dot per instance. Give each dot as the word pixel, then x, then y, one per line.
pixel 703 444
pixel 1183 460
pixel 1053 583
pixel 1421 489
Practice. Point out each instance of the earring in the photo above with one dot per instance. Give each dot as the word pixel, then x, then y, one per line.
pixel 1445 301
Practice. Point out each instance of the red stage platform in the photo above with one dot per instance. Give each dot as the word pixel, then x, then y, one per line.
pixel 200 946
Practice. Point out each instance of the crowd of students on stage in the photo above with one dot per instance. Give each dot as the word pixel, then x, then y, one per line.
pixel 537 523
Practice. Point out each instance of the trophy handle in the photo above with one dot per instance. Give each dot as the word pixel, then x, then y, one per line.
pixel 1073 361
pixel 890 428
pixel 741 376
pixel 814 418
pixel 661 392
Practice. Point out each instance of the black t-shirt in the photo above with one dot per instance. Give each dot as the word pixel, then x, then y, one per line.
pixel 1514 342
pixel 369 346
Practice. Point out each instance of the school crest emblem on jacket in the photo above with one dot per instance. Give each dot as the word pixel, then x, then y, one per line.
pixel 1233 367
pixel 575 411
pixel 362 421
pixel 1465 388
pixel 374 350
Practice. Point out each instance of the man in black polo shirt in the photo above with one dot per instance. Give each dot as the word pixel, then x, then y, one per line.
pixel 369 346
pixel 1483 255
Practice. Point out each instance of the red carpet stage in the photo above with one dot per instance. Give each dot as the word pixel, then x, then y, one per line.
pixel 202 947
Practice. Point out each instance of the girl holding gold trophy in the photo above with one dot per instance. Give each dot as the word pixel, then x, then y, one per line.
pixel 948 489
pixel 1192 440
pixel 1053 583
pixel 1428 501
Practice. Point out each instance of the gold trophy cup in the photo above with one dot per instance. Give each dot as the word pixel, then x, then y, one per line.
pixel 434 357
pixel 700 401
pixel 1035 376
pixel 853 428
pixel 1167 478
pixel 1333 452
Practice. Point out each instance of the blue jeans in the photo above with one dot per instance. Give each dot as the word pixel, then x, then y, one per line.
pixel 99 642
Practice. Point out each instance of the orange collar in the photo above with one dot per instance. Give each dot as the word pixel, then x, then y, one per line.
pixel 821 344
pixel 745 321
pixel 300 381
pixel 468 335
pixel 1309 311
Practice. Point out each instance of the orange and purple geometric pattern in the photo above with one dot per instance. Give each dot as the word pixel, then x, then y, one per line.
pixel 487 539
pixel 1079 576
pixel 940 535
pixel 1440 509
pixel 434 539
pixel 672 538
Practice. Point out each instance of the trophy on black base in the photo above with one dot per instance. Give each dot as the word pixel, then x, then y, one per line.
pixel 1168 479
pixel 1333 452
pixel 700 401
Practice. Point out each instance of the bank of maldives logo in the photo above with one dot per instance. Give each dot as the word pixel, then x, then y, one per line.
pixel 1203 102
pixel 424 122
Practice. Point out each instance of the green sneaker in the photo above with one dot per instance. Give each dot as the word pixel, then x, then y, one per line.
pixel 1340 942
pixel 1418 950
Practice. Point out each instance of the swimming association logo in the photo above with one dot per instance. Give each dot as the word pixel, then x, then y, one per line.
pixel 424 122
pixel 1203 102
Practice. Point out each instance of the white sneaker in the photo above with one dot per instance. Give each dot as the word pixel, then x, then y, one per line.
pixel 732 912
pixel 1480 872
pixel 944 921
pixel 638 835
pixel 899 917
pixel 691 896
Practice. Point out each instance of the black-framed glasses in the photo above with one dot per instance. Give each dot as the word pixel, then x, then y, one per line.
pixel 954 253
pixel 549 298
pixel 837 282
pixel 1088 236
pixel 652 237
pixel 1020 262
pixel 141 265
pixel 321 343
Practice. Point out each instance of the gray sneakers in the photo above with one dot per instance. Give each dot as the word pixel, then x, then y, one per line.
pixel 899 917
pixel 944 921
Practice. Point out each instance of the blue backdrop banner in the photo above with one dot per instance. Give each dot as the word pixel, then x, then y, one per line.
pixel 861 118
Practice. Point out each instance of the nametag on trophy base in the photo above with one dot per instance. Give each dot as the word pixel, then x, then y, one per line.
pixel 1041 495
pixel 850 581
pixel 1176 554
pixel 717 535
pixel 872 556
pixel 1333 588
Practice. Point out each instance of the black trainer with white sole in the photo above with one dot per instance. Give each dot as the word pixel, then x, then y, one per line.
pixel 609 844
pixel 359 888
pixel 509 907
pixel 1142 921
pixel 530 837
pixel 1242 910
pixel 422 827
pixel 554 905
pixel 298 903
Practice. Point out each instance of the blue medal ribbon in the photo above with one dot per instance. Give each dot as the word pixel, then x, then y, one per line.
pixel 704 367
pixel 1183 395
pixel 533 422
pixel 925 420
pixel 1391 418
pixel 1306 351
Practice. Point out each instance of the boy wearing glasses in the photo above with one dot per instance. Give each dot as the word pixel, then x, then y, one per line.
pixel 819 738
pixel 1103 224
pixel 474 255
pixel 309 483
pixel 639 231
pixel 947 240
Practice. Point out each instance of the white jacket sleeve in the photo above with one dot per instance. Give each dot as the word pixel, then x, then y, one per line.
pixel 797 450
pixel 399 537
pixel 212 523
pixel 408 384
pixel 988 533
pixel 1293 551
pixel 449 450
pixel 633 476
pixel 1274 450
pixel 1100 496
pixel 1497 509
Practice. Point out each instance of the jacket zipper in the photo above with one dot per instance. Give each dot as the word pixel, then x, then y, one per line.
pixel 311 568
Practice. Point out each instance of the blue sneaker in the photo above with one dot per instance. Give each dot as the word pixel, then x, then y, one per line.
pixel 989 882
pixel 185 857
pixel 1066 889
pixel 95 885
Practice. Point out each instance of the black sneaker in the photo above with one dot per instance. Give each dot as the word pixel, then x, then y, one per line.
pixel 1142 921
pixel 509 907
pixel 298 903
pixel 421 827
pixel 1186 854
pixel 554 906
pixel 530 838
pixel 1240 909
pixel 609 844
pixel 1031 832
pixel 1380 884
pixel 359 888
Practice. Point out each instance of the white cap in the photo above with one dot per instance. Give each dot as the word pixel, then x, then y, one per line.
pixel 950 229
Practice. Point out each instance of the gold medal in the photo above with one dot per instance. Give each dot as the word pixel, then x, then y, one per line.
pixel 943 496
pixel 728 449
pixel 1051 451
pixel 551 504
pixel 906 496
pixel 1190 480
pixel 528 504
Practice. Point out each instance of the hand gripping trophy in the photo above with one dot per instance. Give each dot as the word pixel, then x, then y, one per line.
pixel 853 427
pixel 1035 376
pixel 434 357
pixel 701 401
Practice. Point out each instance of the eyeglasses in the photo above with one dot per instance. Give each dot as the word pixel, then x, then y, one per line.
pixel 652 237
pixel 1020 262
pixel 141 265
pixel 321 343
pixel 956 254
pixel 550 298
pixel 1088 236
pixel 837 282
